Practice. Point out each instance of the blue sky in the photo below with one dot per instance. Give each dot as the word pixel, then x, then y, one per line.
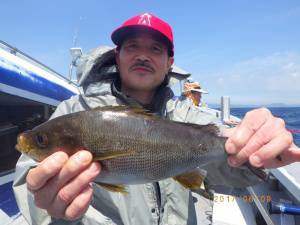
pixel 249 50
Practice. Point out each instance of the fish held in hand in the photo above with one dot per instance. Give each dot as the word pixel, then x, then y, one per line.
pixel 135 147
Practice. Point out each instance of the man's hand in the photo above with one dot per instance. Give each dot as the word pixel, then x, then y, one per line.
pixel 61 185
pixel 262 139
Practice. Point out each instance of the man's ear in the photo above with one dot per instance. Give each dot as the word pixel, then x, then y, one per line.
pixel 170 62
pixel 117 54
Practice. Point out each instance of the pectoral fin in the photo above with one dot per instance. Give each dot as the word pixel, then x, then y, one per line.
pixel 113 187
pixel 191 180
pixel 111 155
pixel 206 193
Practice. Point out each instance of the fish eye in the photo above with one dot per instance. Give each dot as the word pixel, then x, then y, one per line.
pixel 41 140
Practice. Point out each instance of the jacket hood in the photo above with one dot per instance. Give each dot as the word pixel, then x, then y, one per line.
pixel 99 64
pixel 96 65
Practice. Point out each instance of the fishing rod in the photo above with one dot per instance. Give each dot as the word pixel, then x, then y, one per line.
pixel 294 130
pixel 284 208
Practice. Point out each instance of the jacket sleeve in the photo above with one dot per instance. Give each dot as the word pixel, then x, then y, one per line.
pixel 24 198
pixel 184 111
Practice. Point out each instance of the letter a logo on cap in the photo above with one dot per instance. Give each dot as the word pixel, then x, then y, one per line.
pixel 145 19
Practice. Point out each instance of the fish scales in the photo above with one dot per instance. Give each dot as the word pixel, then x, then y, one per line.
pixel 158 152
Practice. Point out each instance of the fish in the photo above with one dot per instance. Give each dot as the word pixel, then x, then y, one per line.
pixel 135 146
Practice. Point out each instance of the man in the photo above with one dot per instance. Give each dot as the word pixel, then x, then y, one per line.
pixel 193 91
pixel 144 55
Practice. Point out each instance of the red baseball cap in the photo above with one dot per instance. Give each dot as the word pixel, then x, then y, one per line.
pixel 142 22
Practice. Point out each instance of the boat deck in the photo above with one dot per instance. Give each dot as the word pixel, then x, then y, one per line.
pixel 9 211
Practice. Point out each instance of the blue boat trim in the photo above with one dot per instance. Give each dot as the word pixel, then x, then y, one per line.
pixel 7 200
pixel 35 84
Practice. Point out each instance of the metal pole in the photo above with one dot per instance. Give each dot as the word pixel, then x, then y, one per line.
pixel 225 108
pixel 180 86
pixel 70 71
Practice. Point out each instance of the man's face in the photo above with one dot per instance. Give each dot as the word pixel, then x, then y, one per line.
pixel 143 62
pixel 196 97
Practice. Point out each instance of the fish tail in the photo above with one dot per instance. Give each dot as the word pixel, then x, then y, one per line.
pixel 262 174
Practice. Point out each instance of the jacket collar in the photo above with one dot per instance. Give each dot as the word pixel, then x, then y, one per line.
pixel 158 104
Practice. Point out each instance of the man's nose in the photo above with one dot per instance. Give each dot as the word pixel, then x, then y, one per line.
pixel 142 57
pixel 142 54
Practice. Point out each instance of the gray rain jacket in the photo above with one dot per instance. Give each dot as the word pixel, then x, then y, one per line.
pixel 164 202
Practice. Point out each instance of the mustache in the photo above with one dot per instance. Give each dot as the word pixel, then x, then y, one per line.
pixel 142 64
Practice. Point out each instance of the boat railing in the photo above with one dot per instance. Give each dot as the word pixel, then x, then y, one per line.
pixel 283 184
pixel 15 51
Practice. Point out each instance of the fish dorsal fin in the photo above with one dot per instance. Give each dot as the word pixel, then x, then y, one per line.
pixel 208 128
pixel 141 111
pixel 192 180
pixel 125 108
pixel 117 108
pixel 211 128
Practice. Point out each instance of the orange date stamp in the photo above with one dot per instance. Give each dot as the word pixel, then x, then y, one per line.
pixel 245 198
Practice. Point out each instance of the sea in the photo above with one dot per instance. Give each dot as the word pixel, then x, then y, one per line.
pixel 291 116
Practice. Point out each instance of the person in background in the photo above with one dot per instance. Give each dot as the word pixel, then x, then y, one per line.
pixel 193 91
pixel 59 190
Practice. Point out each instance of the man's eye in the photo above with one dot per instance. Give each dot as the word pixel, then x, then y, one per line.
pixel 156 49
pixel 131 46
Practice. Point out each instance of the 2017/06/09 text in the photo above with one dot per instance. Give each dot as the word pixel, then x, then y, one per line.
pixel 245 198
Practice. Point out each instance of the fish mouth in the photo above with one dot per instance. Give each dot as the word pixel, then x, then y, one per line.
pixel 23 144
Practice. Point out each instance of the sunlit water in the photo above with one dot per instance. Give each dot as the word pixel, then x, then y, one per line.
pixel 291 116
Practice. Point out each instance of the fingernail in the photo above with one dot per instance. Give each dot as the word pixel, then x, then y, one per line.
pixel 83 157
pixel 58 158
pixel 94 167
pixel 256 160
pixel 230 148
pixel 233 161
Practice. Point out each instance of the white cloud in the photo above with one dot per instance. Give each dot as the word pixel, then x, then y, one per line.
pixel 273 78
